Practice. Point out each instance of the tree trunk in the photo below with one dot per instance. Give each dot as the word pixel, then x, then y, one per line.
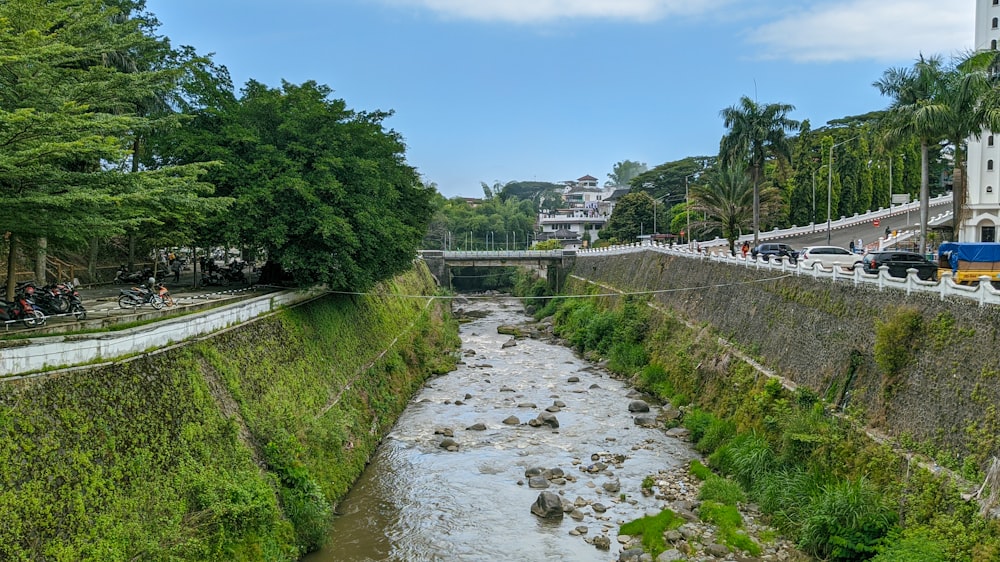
pixel 131 251
pixel 958 193
pixel 92 260
pixel 756 206
pixel 41 259
pixel 925 195
pixel 11 268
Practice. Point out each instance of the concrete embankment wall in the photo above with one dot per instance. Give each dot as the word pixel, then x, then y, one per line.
pixel 943 390
pixel 231 447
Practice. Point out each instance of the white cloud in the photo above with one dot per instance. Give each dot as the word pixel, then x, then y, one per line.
pixel 880 30
pixel 543 11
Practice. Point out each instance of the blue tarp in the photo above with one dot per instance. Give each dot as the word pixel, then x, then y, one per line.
pixel 969 251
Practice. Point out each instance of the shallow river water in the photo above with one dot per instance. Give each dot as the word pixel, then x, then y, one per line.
pixel 419 502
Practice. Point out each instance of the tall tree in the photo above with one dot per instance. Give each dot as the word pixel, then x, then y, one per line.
pixel 756 132
pixel 632 217
pixel 323 190
pixel 918 109
pixel 67 115
pixel 623 172
pixel 726 201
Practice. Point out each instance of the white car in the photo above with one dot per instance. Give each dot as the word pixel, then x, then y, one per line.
pixel 827 256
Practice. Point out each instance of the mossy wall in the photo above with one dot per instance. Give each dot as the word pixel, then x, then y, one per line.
pixel 920 369
pixel 235 447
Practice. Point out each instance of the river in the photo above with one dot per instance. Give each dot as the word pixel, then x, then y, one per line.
pixel 419 502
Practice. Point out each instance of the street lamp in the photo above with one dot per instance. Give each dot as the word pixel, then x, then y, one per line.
pixel 687 204
pixel 829 188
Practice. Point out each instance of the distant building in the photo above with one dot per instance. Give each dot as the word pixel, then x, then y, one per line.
pixel 982 206
pixel 586 210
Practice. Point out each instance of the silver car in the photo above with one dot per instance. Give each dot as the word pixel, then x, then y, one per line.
pixel 827 256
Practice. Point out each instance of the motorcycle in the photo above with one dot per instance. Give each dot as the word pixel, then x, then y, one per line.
pixel 69 292
pixel 49 299
pixel 22 309
pixel 138 296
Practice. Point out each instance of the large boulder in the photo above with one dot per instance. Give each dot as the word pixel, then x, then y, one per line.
pixel 637 406
pixel 548 506
pixel 547 418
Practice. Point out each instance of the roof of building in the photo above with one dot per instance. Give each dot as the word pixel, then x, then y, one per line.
pixel 587 178
pixel 617 194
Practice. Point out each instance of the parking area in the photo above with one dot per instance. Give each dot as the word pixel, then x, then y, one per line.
pixel 103 310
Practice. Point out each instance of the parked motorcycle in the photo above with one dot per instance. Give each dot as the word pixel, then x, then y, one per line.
pixel 138 296
pixel 123 276
pixel 49 299
pixel 22 308
pixel 69 291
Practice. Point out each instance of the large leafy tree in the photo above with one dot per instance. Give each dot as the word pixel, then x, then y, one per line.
pixel 323 190
pixel 757 132
pixel 67 117
pixel 632 217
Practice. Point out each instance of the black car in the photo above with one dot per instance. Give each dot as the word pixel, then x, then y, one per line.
pixel 770 250
pixel 898 262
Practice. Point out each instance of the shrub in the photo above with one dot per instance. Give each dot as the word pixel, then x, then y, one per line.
pixel 748 457
pixel 722 490
pixel 697 422
pixel 784 494
pixel 896 339
pixel 913 549
pixel 717 433
pixel 846 521
pixel 700 471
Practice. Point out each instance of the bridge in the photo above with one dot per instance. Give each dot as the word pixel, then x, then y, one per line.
pixel 556 263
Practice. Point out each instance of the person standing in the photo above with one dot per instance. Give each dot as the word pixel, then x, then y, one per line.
pixel 175 266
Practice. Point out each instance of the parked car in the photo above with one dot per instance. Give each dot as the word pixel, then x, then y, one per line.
pixel 898 262
pixel 770 250
pixel 828 256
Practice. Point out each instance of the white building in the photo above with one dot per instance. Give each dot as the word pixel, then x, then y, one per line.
pixel 982 206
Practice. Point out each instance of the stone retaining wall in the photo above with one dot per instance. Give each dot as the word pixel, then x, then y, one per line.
pixel 821 334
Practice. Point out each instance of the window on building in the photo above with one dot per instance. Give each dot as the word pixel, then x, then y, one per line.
pixel 993 44
pixel 995 21
pixel 989 234
pixel 989 164
pixel 989 140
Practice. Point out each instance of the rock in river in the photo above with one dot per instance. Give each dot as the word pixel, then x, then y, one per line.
pixel 548 505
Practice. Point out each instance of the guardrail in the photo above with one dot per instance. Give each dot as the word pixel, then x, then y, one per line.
pixel 984 293
pixel 842 222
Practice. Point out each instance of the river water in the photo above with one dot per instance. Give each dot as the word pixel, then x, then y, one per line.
pixel 419 502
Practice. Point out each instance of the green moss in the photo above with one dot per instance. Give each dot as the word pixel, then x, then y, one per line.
pixel 232 448
pixel 651 528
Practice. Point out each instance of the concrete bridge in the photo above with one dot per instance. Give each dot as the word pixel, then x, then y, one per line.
pixel 556 263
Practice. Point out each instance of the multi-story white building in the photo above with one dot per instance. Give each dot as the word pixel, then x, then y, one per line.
pixel 982 206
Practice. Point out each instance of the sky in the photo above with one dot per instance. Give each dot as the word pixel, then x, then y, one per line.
pixel 487 91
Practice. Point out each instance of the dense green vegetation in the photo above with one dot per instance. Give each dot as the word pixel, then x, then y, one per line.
pixel 231 448
pixel 114 137
pixel 819 478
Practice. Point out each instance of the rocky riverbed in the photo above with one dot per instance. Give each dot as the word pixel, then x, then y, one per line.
pixel 528 452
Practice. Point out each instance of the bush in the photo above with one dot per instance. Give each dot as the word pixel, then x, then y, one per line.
pixel 784 494
pixel 896 339
pixel 722 490
pixel 846 521
pixel 748 458
pixel 730 524
pixel 913 549
pixel 700 471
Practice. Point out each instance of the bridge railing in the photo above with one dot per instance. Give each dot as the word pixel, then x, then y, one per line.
pixel 504 254
pixel 984 293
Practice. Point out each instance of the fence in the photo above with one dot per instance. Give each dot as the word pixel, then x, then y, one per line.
pixel 984 293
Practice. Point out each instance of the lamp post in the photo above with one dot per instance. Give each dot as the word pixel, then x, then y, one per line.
pixel 829 189
pixel 687 204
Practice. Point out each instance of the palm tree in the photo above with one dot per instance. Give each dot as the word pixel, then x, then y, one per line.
pixel 919 109
pixel 727 200
pixel 756 132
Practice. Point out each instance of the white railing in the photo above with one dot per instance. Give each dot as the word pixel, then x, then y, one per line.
pixel 842 222
pixel 503 254
pixel 983 293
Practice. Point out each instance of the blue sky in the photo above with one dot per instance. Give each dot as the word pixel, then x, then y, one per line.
pixel 551 90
